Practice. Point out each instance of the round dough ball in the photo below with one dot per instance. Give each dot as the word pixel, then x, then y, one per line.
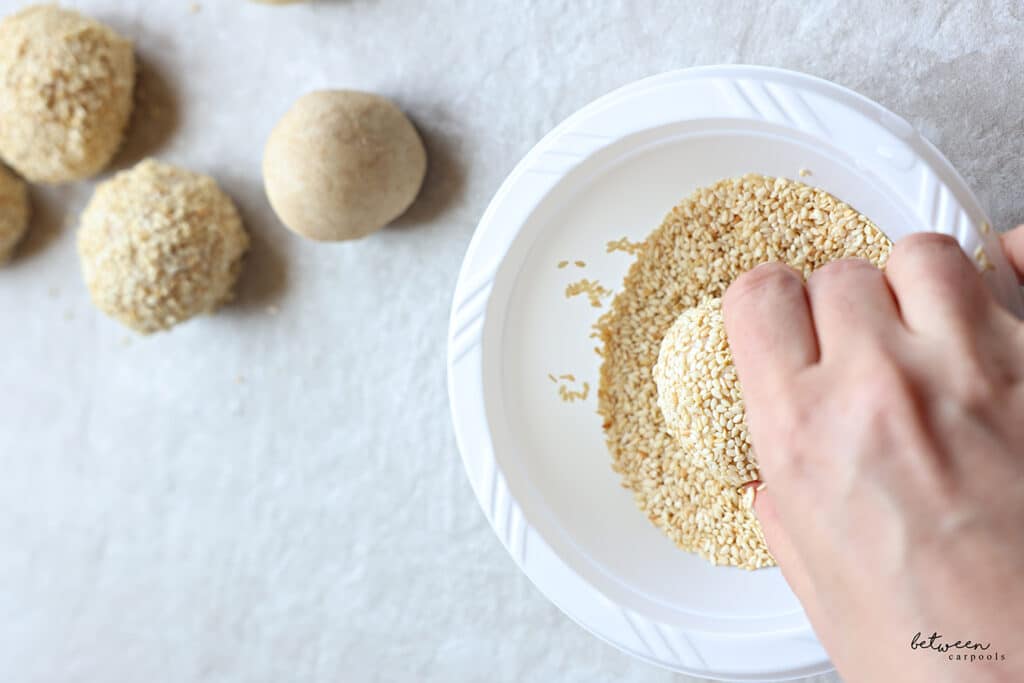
pixel 160 244
pixel 699 395
pixel 342 164
pixel 14 210
pixel 66 86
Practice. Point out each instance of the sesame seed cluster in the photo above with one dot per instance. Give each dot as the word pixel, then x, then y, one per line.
pixel 706 242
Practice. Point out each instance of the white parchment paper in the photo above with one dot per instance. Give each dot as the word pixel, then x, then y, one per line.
pixel 274 493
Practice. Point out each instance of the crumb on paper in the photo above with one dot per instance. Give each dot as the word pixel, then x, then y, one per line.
pixel 569 377
pixel 804 172
pixel 194 8
pixel 580 264
pixel 563 264
pixel 594 291
pixel 623 244
pixel 239 379
pixel 552 378
pixel 982 259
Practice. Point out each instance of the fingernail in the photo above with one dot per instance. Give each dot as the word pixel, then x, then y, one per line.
pixel 750 491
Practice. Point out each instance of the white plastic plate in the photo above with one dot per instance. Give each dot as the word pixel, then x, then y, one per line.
pixel 538 465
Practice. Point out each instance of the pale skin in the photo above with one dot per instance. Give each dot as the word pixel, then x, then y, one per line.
pixel 886 411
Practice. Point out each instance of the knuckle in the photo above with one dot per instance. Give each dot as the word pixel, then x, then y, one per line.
pixel 753 283
pixel 928 240
pixel 977 394
pixel 881 391
pixel 923 244
pixel 972 385
pixel 935 263
pixel 842 269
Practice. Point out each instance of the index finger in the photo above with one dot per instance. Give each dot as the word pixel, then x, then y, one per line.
pixel 770 329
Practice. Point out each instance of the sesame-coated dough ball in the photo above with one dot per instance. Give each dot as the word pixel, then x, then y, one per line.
pixel 160 244
pixel 342 164
pixel 700 397
pixel 14 210
pixel 66 86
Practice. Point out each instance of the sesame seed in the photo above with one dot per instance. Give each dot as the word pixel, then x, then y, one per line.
pixel 706 242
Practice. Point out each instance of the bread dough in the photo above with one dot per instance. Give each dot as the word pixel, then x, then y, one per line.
pixel 14 210
pixel 66 86
pixel 160 244
pixel 342 164
pixel 700 397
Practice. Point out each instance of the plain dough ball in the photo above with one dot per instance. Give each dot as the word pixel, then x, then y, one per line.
pixel 66 86
pixel 14 212
pixel 160 244
pixel 342 164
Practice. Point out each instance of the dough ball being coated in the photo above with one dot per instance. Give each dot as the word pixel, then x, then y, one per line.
pixel 342 164
pixel 160 244
pixel 700 397
pixel 14 210
pixel 66 86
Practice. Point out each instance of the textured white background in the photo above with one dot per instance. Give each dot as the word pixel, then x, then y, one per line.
pixel 278 497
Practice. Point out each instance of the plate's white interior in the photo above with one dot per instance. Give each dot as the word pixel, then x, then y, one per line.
pixel 552 452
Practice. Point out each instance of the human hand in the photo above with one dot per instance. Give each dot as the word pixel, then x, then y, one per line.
pixel 886 410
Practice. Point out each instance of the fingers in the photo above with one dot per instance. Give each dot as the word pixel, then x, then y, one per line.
pixel 851 302
pixel 937 287
pixel 770 329
pixel 1013 245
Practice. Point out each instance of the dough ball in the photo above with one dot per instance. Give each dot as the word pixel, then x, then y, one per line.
pixel 160 244
pixel 66 86
pixel 342 164
pixel 14 210
pixel 699 394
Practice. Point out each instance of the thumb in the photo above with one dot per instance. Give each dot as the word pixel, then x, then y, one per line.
pixel 1013 245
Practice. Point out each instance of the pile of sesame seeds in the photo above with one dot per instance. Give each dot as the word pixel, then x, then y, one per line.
pixel 705 243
